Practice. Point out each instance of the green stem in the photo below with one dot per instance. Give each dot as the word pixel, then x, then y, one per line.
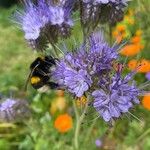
pixel 143 135
pixel 79 120
pixel 90 130
pixel 110 34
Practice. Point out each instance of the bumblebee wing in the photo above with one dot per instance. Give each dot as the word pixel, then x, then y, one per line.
pixel 29 77
pixel 27 81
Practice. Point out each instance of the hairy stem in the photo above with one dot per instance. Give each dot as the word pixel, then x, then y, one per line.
pixel 143 136
pixel 79 120
pixel 89 131
pixel 110 34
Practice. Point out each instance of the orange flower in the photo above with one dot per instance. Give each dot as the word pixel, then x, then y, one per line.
pixel 136 39
pixel 63 123
pixel 131 49
pixel 146 101
pixel 132 64
pixel 119 33
pixel 121 28
pixel 143 66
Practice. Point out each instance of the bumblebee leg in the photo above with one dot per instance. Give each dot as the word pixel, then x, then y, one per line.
pixel 52 85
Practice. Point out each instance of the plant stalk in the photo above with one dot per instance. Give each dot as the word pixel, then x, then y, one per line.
pixel 79 120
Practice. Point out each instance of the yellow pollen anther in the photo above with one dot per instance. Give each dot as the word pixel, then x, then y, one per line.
pixel 81 101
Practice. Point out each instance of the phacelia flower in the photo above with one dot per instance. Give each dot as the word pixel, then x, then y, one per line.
pixel 116 97
pixel 113 11
pixel 13 110
pixel 148 76
pixel 77 72
pixel 101 11
pixel 98 143
pixel 63 123
pixel 45 22
pixel 6 105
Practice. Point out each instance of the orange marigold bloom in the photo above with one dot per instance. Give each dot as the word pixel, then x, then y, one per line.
pixel 146 101
pixel 132 64
pixel 119 33
pixel 143 66
pixel 121 28
pixel 136 39
pixel 63 123
pixel 131 49
pixel 117 36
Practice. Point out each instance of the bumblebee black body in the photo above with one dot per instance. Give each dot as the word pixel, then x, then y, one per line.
pixel 41 72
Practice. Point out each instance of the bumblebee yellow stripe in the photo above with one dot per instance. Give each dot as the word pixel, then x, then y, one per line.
pixel 35 80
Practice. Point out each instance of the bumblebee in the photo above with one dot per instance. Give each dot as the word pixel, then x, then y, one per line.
pixel 40 74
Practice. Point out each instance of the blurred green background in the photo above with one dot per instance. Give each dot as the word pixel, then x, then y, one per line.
pixel 39 132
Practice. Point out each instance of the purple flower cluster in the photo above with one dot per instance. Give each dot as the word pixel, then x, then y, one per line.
pixel 45 22
pixel 7 105
pixel 71 74
pixel 116 98
pixel 113 11
pixel 90 70
pixel 147 76
pixel 13 110
pixel 101 11
pixel 78 71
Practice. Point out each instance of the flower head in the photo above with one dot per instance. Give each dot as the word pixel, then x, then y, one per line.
pixel 148 76
pixel 143 65
pixel 13 110
pixel 63 123
pixel 131 49
pixel 146 101
pixel 7 104
pixel 116 97
pixel 113 11
pixel 39 19
pixel 119 33
pixel 77 71
pixel 98 142
pixel 101 11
